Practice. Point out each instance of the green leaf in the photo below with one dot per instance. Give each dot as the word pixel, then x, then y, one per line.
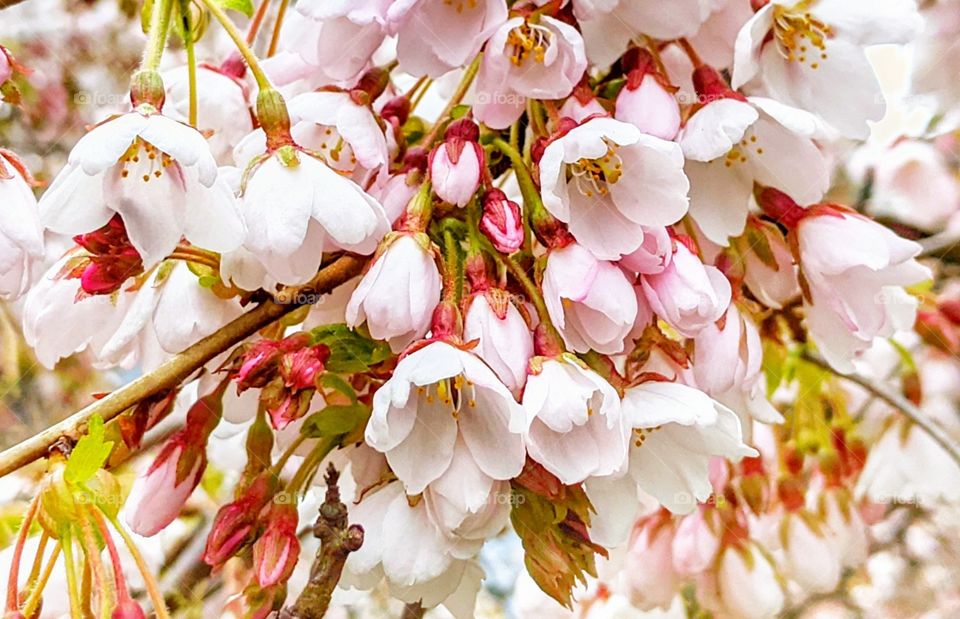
pixel 335 420
pixel 332 381
pixel 89 455
pixel 349 350
pixel 241 6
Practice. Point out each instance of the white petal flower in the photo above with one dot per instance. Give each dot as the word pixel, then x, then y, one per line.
pixel 21 237
pixel 157 174
pixel 606 179
pixel 437 394
pixel 575 428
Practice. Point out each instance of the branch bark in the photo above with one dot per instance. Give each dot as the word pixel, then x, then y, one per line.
pixel 897 401
pixel 8 3
pixel 182 365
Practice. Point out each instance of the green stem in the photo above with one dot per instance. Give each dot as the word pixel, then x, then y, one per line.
pixel 153 590
pixel 458 95
pixel 285 456
pixel 105 597
pixel 188 44
pixel 73 592
pixel 275 37
pixel 240 41
pixel 528 188
pixel 157 37
pixel 452 267
pixel 310 464
pixel 36 593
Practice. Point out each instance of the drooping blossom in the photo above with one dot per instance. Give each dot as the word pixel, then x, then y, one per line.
pixel 503 337
pixel 158 174
pixel 21 237
pixel 397 295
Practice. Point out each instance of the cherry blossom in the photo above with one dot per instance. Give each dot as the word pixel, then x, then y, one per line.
pixel 598 177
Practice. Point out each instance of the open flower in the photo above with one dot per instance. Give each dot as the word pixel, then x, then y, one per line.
pixel 157 174
pixel 437 394
pixel 538 58
pixel 677 429
pixel 575 426
pixel 855 270
pixel 397 295
pixel 345 133
pixel 609 25
pixel 323 211
pixel 731 143
pixel 606 179
pixel 330 41
pixel 811 56
pixel 21 237
pixel 590 301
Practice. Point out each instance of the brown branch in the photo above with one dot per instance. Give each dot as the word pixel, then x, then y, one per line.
pixel 182 365
pixel 338 539
pixel 8 3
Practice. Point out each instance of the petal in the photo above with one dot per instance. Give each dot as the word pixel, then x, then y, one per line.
pixel 104 144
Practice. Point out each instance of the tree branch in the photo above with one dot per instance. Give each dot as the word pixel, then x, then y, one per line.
pixel 8 3
pixel 894 399
pixel 182 365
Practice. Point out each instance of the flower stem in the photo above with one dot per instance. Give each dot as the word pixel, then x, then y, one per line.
pixel 153 589
pixel 73 591
pixel 36 594
pixel 188 44
pixel 105 593
pixel 157 37
pixel 458 95
pixel 238 39
pixel 275 37
pixel 257 21
pixel 310 464
pixel 13 578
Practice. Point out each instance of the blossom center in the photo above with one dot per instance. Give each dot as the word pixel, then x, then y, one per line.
pixel 593 176
pixel 334 150
pixel 460 5
pixel 529 40
pixel 741 152
pixel 640 435
pixel 451 393
pixel 799 35
pixel 145 160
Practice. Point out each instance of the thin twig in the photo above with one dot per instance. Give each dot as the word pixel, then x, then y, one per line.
pixel 181 366
pixel 894 399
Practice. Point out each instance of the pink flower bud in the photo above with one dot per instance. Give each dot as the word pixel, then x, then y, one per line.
pixel 648 103
pixel 455 165
pixel 234 523
pixel 275 554
pixel 688 294
pixel 158 495
pixel 502 221
pixel 261 362
pixel 128 609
